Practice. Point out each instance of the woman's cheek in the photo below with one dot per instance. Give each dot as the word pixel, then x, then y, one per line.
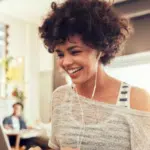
pixel 59 62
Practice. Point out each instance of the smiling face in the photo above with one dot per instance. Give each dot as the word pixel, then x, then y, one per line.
pixel 77 59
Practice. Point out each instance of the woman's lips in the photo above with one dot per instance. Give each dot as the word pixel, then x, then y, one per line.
pixel 75 74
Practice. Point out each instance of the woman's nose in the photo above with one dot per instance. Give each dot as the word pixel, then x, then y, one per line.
pixel 67 60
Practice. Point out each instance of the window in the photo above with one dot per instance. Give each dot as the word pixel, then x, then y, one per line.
pixel 133 69
pixel 3 54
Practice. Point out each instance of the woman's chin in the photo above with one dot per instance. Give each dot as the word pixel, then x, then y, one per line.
pixel 78 81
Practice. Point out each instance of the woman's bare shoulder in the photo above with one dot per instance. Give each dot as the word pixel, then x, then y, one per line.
pixel 140 99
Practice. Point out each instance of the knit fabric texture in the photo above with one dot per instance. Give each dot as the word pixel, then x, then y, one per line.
pixel 79 122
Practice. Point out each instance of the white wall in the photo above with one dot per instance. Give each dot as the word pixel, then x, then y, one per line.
pixel 46 59
pixel 32 72
pixel 24 41
pixel 46 83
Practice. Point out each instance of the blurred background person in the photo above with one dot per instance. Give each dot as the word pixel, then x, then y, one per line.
pixel 15 121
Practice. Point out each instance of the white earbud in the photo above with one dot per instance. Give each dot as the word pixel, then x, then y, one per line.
pixel 96 67
pixel 100 54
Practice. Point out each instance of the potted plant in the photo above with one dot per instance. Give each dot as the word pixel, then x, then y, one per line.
pixel 18 94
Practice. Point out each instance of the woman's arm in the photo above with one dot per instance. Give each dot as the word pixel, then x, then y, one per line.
pixel 140 99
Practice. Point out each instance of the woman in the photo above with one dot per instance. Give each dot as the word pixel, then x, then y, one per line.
pixel 97 112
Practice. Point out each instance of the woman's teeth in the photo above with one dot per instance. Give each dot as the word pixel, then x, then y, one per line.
pixel 71 71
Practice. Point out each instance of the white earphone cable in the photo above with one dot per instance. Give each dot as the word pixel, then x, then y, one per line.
pixel 82 129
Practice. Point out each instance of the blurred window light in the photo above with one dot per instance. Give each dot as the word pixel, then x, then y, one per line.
pixel 3 53
pixel 135 72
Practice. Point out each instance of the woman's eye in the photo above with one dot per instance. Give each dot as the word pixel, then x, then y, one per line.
pixel 60 55
pixel 75 52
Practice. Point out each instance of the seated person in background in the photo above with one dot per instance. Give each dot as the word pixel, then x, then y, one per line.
pixel 15 121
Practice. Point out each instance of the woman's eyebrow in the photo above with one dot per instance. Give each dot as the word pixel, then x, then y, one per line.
pixel 68 49
pixel 57 50
pixel 72 47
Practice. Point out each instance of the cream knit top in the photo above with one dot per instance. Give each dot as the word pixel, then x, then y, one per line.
pixel 79 122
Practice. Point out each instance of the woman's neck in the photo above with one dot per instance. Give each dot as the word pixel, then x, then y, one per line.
pixel 86 89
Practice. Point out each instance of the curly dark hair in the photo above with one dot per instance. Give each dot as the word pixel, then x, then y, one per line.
pixel 95 21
